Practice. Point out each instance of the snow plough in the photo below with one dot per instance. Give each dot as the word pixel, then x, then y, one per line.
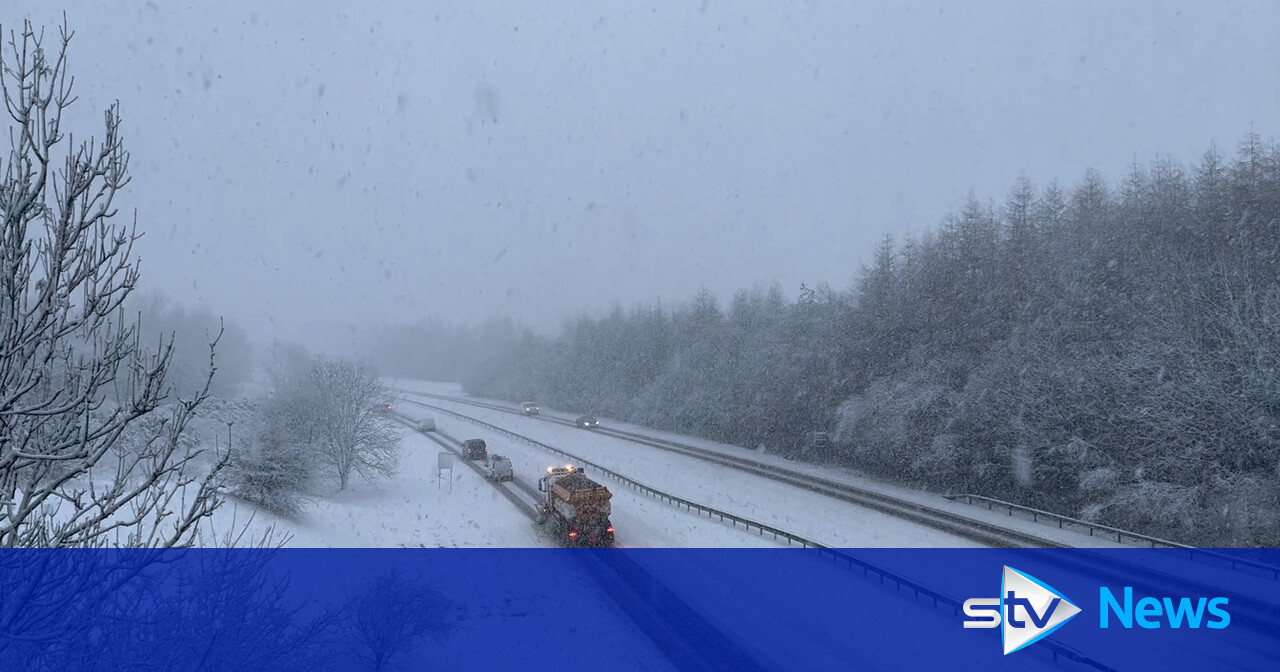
pixel 575 509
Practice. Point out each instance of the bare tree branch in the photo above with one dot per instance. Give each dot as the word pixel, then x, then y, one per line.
pixel 76 386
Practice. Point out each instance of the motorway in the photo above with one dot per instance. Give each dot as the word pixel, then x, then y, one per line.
pixel 1262 648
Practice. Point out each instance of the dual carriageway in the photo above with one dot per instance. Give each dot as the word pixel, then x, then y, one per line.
pixel 980 526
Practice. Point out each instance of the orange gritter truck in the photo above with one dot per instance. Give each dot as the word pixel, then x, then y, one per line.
pixel 576 509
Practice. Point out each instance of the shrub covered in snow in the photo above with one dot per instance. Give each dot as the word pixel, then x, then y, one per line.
pixel 274 473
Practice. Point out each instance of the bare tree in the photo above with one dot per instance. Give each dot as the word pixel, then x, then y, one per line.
pixel 73 374
pixel 392 617
pixel 351 426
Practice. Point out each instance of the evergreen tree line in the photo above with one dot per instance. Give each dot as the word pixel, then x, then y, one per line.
pixel 1109 351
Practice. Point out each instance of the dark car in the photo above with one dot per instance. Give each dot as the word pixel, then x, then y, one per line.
pixel 476 449
pixel 587 422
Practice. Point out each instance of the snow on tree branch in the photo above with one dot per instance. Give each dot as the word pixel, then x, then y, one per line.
pixel 88 454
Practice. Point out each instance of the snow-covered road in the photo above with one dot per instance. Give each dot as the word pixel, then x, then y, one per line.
pixel 639 521
pixel 1067 537
pixel 811 515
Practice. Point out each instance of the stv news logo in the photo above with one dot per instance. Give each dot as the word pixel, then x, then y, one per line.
pixel 1026 611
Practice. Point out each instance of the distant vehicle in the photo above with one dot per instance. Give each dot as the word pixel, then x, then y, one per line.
pixel 476 449
pixel 529 408
pixel 498 468
pixel 428 425
pixel 576 508
pixel 587 422
pixel 386 408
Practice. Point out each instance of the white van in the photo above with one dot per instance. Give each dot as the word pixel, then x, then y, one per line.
pixel 498 468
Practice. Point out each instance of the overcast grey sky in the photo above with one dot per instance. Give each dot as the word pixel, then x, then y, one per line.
pixel 301 165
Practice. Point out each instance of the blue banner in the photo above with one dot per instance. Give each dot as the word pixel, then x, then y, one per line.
pixel 642 609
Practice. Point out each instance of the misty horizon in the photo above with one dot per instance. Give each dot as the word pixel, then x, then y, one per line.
pixel 314 174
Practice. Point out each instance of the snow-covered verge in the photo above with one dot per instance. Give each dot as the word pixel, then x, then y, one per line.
pixel 209 427
pixel 412 509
